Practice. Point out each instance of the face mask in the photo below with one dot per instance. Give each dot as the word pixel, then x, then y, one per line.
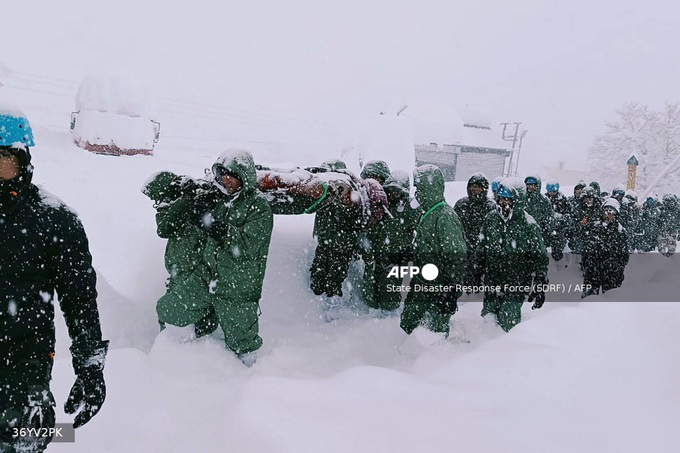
pixel 9 193
pixel 504 211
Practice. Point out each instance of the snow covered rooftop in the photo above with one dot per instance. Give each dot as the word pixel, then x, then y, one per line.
pixel 449 125
pixel 114 94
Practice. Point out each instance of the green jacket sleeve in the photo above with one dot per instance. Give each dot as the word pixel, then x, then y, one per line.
pixel 538 252
pixel 252 237
pixel 453 252
pixel 173 218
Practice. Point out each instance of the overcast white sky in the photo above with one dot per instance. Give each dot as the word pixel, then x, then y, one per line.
pixel 560 67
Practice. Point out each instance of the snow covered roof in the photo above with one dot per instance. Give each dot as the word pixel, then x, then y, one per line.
pixel 448 125
pixel 114 94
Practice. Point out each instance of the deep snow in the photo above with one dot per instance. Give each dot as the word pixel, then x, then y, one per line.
pixel 593 376
pixel 574 376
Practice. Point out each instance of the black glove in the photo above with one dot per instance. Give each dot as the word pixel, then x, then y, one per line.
pixel 537 295
pixel 89 391
pixel 186 185
pixel 557 254
pixel 217 230
pixel 204 202
pixel 180 186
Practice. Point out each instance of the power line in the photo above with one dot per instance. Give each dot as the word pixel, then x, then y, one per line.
pixel 237 119
pixel 73 85
pixel 294 120
pixel 45 77
pixel 57 85
pixel 274 142
pixel 200 110
pixel 40 91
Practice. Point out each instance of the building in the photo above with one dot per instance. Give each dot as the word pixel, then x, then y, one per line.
pixel 459 162
pixel 472 146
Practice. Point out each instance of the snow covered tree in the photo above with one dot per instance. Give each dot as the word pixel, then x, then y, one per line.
pixel 629 135
pixel 667 144
pixel 652 136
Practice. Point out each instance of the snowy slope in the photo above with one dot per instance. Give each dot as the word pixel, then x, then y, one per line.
pixel 588 377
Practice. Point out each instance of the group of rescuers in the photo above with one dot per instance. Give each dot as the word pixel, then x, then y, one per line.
pixel 498 245
pixel 218 232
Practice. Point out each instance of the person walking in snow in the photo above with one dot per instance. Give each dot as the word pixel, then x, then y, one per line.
pixel 43 251
pixel 218 240
pixel 472 210
pixel 598 191
pixel 511 257
pixel 372 249
pixel 650 224
pixel 539 207
pixel 586 212
pixel 631 218
pixel 390 244
pixel 605 252
pixel 669 224
pixel 439 240
pixel 561 220
pixel 336 229
pixel 574 200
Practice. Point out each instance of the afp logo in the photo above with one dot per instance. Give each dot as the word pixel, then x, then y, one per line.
pixel 428 271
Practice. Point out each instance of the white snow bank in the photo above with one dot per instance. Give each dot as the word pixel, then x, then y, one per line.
pixel 578 376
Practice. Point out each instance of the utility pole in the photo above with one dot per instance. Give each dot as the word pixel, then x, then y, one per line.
pixel 514 138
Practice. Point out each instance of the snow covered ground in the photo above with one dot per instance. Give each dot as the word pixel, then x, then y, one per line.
pixel 593 376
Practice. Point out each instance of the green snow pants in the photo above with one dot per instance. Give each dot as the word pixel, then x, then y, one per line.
pixel 508 312
pixel 189 300
pixel 422 310
pixel 25 402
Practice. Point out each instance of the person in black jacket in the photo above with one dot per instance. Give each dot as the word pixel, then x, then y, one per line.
pixel 472 210
pixel 561 221
pixel 43 251
pixel 605 252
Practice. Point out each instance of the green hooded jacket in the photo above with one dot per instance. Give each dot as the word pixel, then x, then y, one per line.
pixel 183 252
pixel 540 208
pixel 511 251
pixel 376 169
pixel 236 260
pixel 393 236
pixel 439 237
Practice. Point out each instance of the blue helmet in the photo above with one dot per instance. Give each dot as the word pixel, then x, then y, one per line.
pixel 15 130
pixel 552 187
pixel 504 192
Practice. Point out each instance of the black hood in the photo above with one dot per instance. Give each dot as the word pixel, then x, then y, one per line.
pixel 480 180
pixel 14 190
